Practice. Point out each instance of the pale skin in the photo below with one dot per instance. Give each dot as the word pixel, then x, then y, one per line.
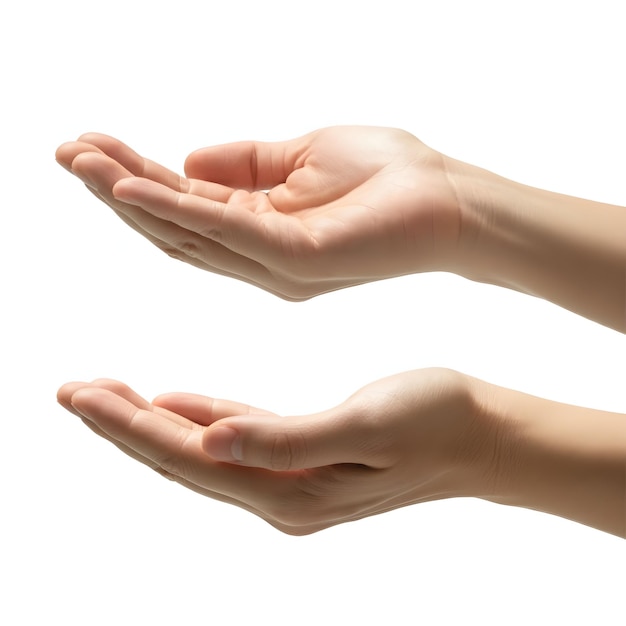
pixel 337 208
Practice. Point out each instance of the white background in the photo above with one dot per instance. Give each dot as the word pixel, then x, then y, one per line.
pixel 532 90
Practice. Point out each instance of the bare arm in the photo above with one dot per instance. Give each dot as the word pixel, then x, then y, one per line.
pixel 348 205
pixel 560 459
pixel 403 208
pixel 410 438
pixel 566 250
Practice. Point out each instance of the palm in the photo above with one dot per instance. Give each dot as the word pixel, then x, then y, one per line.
pixel 334 208
pixel 388 446
pixel 166 436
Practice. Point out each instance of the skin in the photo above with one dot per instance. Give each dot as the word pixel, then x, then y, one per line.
pixel 314 231
pixel 399 441
pixel 336 208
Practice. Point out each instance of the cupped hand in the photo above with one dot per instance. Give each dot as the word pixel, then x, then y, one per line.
pixel 405 439
pixel 334 208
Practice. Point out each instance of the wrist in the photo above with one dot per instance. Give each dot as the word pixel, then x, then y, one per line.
pixel 493 233
pixel 566 250
pixel 487 443
pixel 560 459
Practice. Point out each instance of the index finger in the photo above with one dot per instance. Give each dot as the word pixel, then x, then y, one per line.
pixel 175 449
pixel 132 161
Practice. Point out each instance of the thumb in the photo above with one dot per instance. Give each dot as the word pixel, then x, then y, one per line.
pixel 250 165
pixel 286 443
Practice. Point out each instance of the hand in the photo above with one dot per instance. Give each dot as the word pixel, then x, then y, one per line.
pixel 409 438
pixel 338 207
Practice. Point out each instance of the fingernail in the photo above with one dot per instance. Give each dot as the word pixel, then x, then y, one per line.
pixel 223 444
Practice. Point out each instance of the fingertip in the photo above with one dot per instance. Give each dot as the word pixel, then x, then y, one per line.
pixel 111 384
pixel 69 150
pixel 193 163
pixel 223 443
pixel 91 402
pixel 63 155
pixel 120 189
pixel 68 395
pixel 78 396
pixel 160 397
pixel 165 400
pixel 95 138
pixel 65 393
pixel 133 189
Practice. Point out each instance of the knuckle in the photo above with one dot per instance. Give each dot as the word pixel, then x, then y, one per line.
pixel 190 248
pixel 288 451
pixel 281 456
pixel 173 462
pixel 254 166
pixel 171 252
pixel 161 471
pixel 183 250
pixel 172 466
pixel 212 234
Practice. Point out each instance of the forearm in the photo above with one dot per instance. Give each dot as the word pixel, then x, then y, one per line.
pixel 566 250
pixel 556 458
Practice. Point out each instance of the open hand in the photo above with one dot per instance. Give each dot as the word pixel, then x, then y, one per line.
pixel 334 208
pixel 405 439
